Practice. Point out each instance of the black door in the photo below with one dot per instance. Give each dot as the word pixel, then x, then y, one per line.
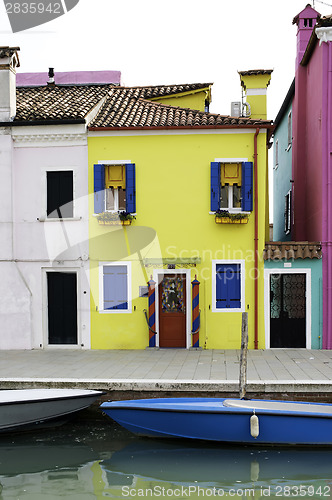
pixel 288 310
pixel 62 308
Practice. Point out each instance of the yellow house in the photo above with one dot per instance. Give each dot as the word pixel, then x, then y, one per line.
pixel 178 219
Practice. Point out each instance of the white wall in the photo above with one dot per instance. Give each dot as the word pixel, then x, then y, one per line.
pixel 29 242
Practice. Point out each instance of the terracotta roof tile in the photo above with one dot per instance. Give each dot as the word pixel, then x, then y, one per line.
pixel 290 250
pixel 256 72
pixel 325 21
pixel 55 102
pixel 123 107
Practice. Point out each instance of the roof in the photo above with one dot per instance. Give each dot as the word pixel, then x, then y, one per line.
pixel 256 72
pixel 150 92
pixel 290 250
pixel 55 102
pixel 325 21
pixel 125 108
pixel 117 107
pixel 307 12
pixel 322 22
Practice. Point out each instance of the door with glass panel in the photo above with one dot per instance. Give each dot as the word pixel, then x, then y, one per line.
pixel 172 310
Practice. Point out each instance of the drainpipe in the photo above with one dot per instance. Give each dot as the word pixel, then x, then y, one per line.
pixel 256 236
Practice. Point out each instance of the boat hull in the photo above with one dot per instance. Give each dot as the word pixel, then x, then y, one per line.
pixel 21 409
pixel 212 420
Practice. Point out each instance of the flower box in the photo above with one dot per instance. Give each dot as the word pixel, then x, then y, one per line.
pixel 115 218
pixel 229 218
pixel 119 222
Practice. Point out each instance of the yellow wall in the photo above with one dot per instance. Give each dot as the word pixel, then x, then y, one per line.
pixel 173 202
pixel 257 83
pixel 192 100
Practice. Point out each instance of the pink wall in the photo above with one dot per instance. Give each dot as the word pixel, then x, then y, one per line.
pixel 73 77
pixel 327 193
pixel 313 146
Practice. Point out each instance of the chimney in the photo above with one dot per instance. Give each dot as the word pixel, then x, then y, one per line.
pixel 305 21
pixel 255 83
pixel 51 80
pixel 9 61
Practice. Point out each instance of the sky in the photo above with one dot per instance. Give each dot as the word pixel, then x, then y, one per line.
pixel 175 41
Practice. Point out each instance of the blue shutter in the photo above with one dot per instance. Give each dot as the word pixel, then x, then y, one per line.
pixel 115 287
pixel 130 188
pixel 221 287
pixel 247 186
pixel 228 286
pixel 215 186
pixel 234 285
pixel 99 188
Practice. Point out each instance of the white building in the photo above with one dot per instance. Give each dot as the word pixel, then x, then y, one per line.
pixel 44 289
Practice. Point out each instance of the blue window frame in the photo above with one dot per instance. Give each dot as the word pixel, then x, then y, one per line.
pixel 99 188
pixel 228 286
pixel 115 287
pixel 246 187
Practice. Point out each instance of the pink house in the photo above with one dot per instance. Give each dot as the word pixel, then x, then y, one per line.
pixel 311 143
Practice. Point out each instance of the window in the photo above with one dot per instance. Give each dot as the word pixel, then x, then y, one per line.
pixel 228 286
pixel 276 158
pixel 231 186
pixel 59 194
pixel 115 287
pixel 114 188
pixel 289 129
pixel 288 212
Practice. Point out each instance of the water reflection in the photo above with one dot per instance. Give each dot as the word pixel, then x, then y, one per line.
pixel 95 459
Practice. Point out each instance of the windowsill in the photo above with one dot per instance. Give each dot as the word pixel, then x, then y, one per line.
pixel 113 212
pixel 228 309
pixel 55 219
pixel 115 311
pixel 232 211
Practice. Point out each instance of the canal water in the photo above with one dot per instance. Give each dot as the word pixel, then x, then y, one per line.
pixel 93 458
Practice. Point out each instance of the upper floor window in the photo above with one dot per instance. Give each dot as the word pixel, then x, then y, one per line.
pixel 276 154
pixel 59 194
pixel 231 186
pixel 288 212
pixel 289 129
pixel 114 188
pixel 115 185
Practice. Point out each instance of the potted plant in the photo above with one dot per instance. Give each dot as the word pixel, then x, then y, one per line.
pixel 226 217
pixel 115 218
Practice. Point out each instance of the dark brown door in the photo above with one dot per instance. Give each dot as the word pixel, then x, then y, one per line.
pixel 172 311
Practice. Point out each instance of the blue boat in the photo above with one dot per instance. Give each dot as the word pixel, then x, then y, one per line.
pixel 226 420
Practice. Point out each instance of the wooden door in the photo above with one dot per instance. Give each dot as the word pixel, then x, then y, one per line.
pixel 172 311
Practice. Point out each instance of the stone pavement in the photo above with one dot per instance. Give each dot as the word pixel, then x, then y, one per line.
pixel 285 371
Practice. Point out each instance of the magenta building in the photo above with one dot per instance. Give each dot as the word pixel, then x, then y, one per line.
pixel 311 143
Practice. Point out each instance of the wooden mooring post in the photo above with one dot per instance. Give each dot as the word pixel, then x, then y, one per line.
pixel 243 358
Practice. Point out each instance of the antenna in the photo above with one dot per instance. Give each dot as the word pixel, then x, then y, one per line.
pixel 319 1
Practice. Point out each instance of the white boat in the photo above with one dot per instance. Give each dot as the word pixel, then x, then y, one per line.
pixel 24 408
